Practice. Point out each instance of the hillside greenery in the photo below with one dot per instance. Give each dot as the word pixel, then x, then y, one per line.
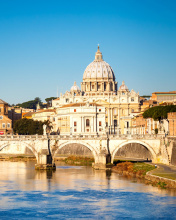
pixel 159 112
pixel 32 104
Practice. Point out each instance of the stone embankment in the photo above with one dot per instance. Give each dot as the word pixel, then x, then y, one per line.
pixel 160 181
pixel 143 171
pixel 17 158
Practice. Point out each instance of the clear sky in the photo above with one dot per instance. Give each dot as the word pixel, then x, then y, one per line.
pixel 45 44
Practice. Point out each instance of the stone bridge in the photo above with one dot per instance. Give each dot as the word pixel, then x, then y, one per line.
pixel 102 147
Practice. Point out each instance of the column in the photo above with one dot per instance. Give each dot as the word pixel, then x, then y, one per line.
pixel 113 86
pixel 109 117
pixel 83 125
pixel 119 117
pixel 112 117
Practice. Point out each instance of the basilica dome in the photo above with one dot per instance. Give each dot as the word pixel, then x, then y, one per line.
pixel 99 77
pixel 75 88
pixel 98 69
pixel 123 87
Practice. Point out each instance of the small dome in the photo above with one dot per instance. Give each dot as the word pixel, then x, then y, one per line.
pixel 75 88
pixel 123 87
pixel 98 69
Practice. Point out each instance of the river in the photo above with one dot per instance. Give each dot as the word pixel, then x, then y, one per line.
pixel 78 192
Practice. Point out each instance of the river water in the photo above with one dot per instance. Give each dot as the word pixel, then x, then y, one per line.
pixel 78 192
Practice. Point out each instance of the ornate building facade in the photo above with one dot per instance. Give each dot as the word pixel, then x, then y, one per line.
pixel 99 86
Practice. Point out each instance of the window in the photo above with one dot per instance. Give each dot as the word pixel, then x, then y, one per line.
pixel 132 110
pixel 87 122
pixel 67 100
pixel 99 123
pixel 75 124
pixel 99 86
pixel 106 124
pixel 0 109
pixel 123 93
pixel 99 110
pixel 53 119
pixel 99 129
pixel 1 117
pixel 87 130
pixel 74 129
pixel 92 86
pixel 115 123
pixel 74 110
pixel 3 125
pixel 132 99
pixel 8 125
pixel 115 111
pixel 105 86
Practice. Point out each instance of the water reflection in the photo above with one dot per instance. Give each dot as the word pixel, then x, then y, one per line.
pixel 72 190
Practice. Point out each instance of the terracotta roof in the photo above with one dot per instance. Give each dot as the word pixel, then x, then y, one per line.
pixel 171 92
pixel 45 110
pixel 79 104
pixel 3 102
pixel 28 114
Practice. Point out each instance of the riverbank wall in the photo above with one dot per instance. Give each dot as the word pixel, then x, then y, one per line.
pixel 167 183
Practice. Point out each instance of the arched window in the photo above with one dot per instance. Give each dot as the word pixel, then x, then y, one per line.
pixel 87 122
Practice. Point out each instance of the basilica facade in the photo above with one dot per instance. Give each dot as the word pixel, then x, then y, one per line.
pixel 99 90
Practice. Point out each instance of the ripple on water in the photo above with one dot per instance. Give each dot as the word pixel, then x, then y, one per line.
pixel 79 192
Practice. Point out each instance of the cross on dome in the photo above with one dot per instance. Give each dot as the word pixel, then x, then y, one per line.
pixel 98 55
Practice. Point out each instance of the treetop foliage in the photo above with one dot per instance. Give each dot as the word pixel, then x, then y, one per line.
pixel 29 126
pixel 50 99
pixel 31 104
pixel 159 112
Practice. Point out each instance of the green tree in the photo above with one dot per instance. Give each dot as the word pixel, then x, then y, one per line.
pixel 159 112
pixel 49 100
pixel 29 126
pixel 31 104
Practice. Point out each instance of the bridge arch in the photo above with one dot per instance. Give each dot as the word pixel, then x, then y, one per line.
pixel 146 145
pixel 60 146
pixel 24 144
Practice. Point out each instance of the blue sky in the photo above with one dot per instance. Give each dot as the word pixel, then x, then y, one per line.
pixel 48 44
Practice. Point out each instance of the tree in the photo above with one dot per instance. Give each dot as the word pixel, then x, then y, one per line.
pixel 159 112
pixel 49 100
pixel 31 104
pixel 29 126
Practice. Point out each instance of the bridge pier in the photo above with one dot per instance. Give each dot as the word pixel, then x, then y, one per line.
pixel 44 158
pixel 101 160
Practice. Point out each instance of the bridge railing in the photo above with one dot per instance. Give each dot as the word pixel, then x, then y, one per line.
pixel 78 137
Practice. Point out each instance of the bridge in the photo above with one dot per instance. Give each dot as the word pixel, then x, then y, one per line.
pixel 103 148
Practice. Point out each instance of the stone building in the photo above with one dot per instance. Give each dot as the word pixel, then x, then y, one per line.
pixel 80 118
pixel 164 96
pixel 5 122
pixel 14 114
pixel 99 86
pixel 172 123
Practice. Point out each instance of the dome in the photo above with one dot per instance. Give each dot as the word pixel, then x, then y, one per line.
pixel 123 87
pixel 98 69
pixel 75 88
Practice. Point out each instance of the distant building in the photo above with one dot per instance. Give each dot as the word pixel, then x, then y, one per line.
pixel 5 122
pixel 99 86
pixel 172 123
pixel 164 96
pixel 81 118
pixel 14 114
pixel 43 115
